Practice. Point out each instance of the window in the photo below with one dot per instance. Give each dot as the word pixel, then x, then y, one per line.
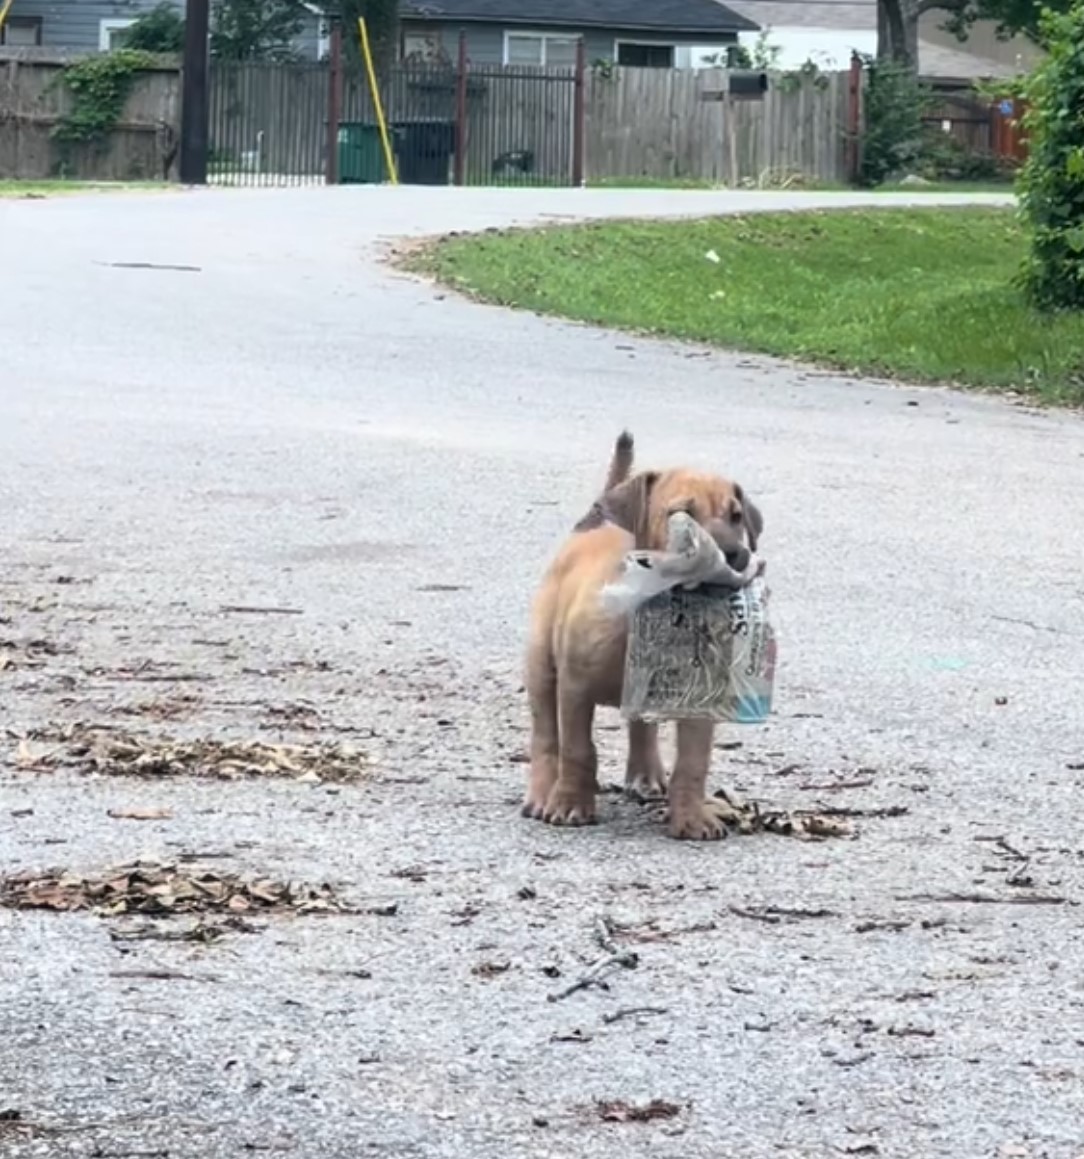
pixel 111 33
pixel 21 32
pixel 633 55
pixel 540 48
pixel 422 44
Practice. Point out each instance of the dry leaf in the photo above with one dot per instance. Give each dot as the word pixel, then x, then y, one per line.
pixel 490 969
pixel 112 752
pixel 618 1111
pixel 141 814
pixel 157 889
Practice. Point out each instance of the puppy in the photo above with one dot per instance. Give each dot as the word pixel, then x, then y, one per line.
pixel 576 647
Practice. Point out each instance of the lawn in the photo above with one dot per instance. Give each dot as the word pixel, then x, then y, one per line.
pixel 920 294
pixel 37 189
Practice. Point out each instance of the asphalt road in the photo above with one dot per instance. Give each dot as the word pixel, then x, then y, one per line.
pixel 287 422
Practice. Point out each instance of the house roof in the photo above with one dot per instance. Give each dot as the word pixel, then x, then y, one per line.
pixel 935 62
pixel 691 17
pixel 840 15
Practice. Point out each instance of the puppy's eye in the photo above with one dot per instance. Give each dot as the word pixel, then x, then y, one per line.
pixel 736 515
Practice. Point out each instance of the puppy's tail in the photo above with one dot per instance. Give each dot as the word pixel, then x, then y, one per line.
pixel 620 461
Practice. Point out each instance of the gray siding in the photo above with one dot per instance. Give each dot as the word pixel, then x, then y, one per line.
pixel 76 24
pixel 485 42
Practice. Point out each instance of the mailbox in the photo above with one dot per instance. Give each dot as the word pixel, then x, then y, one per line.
pixel 750 85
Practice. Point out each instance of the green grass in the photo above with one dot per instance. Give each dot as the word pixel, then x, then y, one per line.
pixel 924 295
pixel 38 189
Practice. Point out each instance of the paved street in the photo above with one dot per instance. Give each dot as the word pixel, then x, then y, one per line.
pixel 282 420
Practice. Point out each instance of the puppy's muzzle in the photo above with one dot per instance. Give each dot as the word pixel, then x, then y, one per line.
pixel 738 556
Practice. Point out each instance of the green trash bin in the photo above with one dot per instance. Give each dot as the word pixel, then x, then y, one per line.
pixel 361 154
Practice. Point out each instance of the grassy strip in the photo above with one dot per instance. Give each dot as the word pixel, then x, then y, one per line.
pixel 38 189
pixel 925 295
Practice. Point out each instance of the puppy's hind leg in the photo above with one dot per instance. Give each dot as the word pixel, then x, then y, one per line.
pixel 542 694
pixel 572 798
pixel 645 776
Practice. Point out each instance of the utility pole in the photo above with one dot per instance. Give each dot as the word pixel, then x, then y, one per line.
pixel 194 93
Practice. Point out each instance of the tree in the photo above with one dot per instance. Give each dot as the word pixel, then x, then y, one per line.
pixel 382 23
pixel 159 30
pixel 897 28
pixel 255 29
pixel 1051 184
pixel 1012 16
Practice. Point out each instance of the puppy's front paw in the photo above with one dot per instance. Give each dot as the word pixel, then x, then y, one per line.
pixel 646 783
pixel 701 822
pixel 569 807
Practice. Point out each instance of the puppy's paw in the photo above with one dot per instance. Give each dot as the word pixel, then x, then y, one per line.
pixel 533 806
pixel 646 783
pixel 702 822
pixel 569 807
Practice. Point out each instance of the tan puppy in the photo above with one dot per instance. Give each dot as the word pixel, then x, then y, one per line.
pixel 576 649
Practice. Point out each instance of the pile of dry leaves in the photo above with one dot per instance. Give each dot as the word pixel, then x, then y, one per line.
pixel 163 890
pixel 749 817
pixel 113 752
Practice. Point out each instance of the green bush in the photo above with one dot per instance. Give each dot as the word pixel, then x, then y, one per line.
pixel 159 30
pixel 892 136
pixel 1051 182
pixel 945 158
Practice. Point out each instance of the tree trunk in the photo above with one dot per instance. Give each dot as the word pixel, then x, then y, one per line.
pixel 897 31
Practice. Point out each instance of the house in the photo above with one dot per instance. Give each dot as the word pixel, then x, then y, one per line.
pixel 632 33
pixel 98 25
pixel 828 31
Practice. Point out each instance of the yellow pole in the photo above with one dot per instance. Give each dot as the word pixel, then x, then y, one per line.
pixel 5 8
pixel 385 140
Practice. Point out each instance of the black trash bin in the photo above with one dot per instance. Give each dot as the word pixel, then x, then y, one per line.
pixel 424 150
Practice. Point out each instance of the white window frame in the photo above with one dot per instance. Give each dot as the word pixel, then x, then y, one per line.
pixel 112 24
pixel 649 44
pixel 525 33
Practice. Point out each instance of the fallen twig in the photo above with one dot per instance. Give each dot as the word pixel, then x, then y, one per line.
pixel 754 915
pixel 591 976
pixel 254 610
pixel 835 786
pixel 633 1012
pixel 849 811
pixel 774 914
pixel 161 974
pixel 988 898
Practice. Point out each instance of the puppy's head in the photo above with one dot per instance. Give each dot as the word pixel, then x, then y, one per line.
pixel 644 503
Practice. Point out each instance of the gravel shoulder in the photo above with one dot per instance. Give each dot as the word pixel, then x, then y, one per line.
pixel 289 423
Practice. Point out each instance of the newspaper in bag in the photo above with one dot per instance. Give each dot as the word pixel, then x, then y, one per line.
pixel 703 653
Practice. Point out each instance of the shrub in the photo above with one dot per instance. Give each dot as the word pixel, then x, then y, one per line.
pixel 1051 182
pixel 892 138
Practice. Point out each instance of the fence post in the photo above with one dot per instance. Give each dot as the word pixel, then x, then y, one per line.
pixel 334 101
pixel 854 118
pixel 195 104
pixel 579 117
pixel 460 170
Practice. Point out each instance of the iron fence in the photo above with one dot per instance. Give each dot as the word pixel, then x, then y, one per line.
pixel 274 123
pixel 475 126
pixel 268 123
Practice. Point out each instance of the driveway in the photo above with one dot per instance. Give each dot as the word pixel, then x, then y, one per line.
pixel 282 422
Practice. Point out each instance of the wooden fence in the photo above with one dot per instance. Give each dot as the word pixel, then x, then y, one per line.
pixel 271 123
pixel 33 101
pixel 665 125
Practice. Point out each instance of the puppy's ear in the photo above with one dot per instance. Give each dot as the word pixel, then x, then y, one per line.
pixel 754 521
pixel 628 504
